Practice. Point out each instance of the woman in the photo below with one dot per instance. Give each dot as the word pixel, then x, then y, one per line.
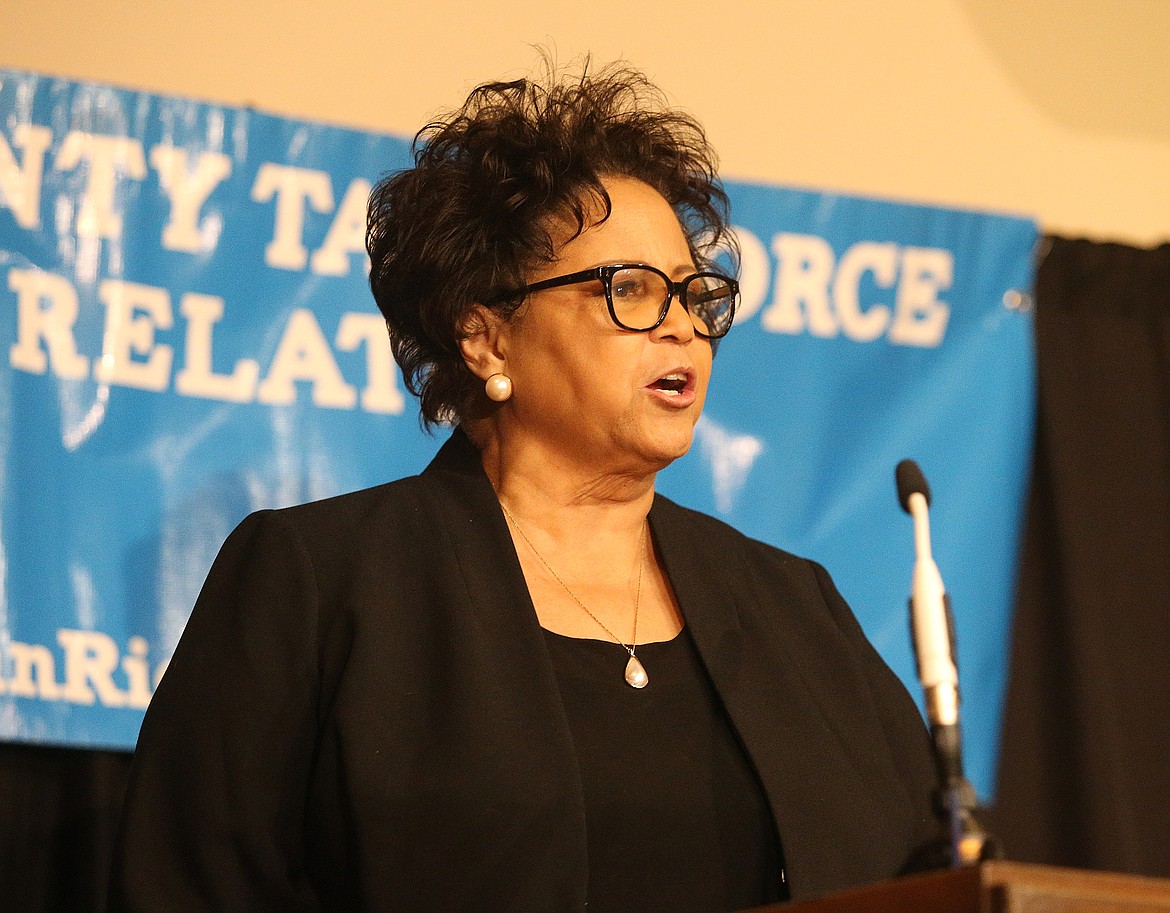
pixel 522 681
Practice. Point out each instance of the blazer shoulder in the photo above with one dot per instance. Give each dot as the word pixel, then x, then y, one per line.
pixel 723 536
pixel 352 506
pixel 392 520
pixel 765 570
pixel 453 481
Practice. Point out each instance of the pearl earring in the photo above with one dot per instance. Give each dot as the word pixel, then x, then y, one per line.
pixel 498 388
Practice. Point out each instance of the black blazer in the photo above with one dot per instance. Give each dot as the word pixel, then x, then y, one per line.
pixel 362 716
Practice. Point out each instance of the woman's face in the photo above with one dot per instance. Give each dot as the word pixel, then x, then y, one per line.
pixel 583 387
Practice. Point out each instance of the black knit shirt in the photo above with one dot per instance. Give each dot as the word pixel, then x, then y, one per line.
pixel 675 816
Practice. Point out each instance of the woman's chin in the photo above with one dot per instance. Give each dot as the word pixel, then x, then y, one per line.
pixel 665 447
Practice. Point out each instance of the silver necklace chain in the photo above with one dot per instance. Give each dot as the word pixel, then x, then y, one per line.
pixel 630 647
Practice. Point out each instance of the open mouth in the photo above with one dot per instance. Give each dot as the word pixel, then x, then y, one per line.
pixel 673 384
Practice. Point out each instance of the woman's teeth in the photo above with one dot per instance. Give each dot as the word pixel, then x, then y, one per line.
pixel 673 384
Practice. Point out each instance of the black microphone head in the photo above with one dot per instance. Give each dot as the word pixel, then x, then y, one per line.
pixel 910 481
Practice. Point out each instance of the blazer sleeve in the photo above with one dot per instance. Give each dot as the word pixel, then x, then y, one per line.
pixel 904 729
pixel 214 818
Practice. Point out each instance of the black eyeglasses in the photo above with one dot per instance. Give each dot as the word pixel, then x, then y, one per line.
pixel 639 296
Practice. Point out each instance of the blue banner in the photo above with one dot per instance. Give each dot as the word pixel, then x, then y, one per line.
pixel 188 336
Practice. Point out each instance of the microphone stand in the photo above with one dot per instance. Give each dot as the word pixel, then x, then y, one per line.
pixel 960 840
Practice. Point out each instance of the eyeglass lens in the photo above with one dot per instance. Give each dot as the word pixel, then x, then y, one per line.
pixel 638 295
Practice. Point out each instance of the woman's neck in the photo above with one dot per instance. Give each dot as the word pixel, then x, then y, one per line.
pixel 581 536
pixel 562 499
pixel 537 477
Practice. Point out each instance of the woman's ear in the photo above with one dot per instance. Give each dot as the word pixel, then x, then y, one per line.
pixel 482 340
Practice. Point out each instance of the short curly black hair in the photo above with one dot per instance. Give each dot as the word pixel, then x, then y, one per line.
pixel 490 182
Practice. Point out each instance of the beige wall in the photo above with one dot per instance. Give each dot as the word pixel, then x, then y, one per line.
pixel 1059 110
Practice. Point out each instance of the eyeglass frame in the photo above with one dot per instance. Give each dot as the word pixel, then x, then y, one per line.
pixel 604 275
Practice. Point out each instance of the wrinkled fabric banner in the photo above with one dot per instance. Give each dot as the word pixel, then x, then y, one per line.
pixel 188 336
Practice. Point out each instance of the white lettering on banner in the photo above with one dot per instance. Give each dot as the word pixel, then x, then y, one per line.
pixel 815 292
pixel 133 313
pixel 33 672
pixel 20 185
pixel 804 266
pixel 132 356
pixel 46 310
pixel 304 355
pixel 381 393
pixel 188 189
pixel 347 234
pixel 292 187
pixel 881 261
pixel 920 319
pixel 107 158
pixel 93 665
pixel 137 671
pixel 91 658
pixel 198 378
pixel 188 185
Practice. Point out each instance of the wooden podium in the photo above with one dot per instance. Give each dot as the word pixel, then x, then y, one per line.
pixel 997 887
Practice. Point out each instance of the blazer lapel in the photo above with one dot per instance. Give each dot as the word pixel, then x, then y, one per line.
pixel 758 658
pixel 511 647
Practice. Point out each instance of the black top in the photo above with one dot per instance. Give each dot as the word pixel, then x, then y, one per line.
pixel 675 816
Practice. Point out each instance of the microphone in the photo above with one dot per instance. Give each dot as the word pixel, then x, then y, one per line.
pixel 961 840
pixel 930 615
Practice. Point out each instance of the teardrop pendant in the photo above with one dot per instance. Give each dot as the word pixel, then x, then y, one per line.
pixel 636 676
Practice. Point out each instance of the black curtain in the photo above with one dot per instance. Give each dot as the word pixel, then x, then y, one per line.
pixel 1085 766
pixel 1085 769
pixel 58 810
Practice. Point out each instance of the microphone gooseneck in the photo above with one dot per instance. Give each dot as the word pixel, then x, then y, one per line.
pixel 961 840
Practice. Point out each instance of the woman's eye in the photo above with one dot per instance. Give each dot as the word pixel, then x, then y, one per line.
pixel 628 287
